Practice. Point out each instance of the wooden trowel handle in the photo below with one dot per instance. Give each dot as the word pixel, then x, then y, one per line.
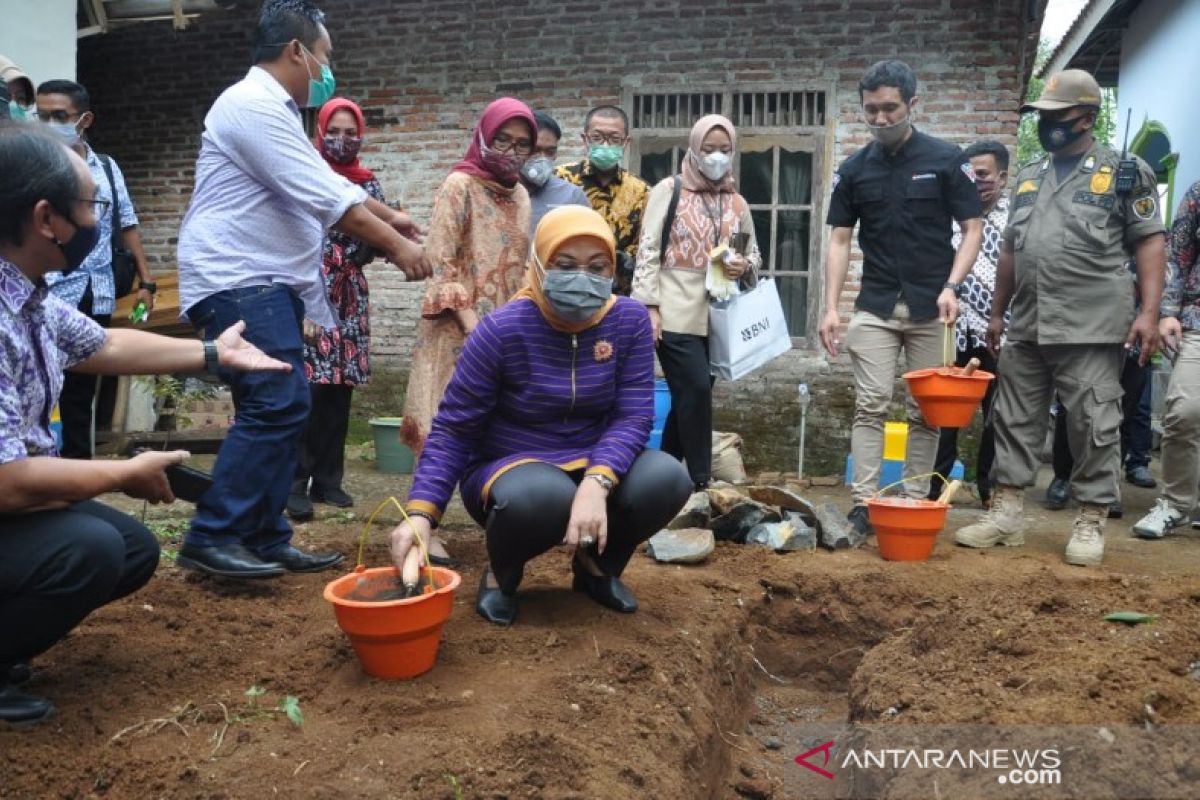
pixel 971 366
pixel 951 489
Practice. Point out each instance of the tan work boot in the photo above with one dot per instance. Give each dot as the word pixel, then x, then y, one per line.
pixel 1004 523
pixel 1086 548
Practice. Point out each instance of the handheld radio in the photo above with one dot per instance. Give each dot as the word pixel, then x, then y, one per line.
pixel 1127 169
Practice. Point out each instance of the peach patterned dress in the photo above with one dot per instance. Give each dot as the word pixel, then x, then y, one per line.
pixel 478 243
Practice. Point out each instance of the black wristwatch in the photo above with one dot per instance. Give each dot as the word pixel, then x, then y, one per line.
pixel 212 357
pixel 149 286
pixel 954 287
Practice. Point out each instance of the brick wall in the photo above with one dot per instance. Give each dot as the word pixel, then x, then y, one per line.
pixel 423 70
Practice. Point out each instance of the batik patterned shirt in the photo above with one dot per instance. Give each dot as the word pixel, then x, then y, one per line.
pixel 979 287
pixel 40 336
pixel 1181 295
pixel 622 203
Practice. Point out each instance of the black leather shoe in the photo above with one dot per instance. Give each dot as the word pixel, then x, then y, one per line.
pixel 20 708
pixel 604 589
pixel 295 560
pixel 228 561
pixel 1058 494
pixel 299 508
pixel 332 497
pixel 860 519
pixel 1116 510
pixel 494 605
pixel 1140 476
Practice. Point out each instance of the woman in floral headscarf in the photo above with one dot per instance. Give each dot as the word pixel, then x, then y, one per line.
pixel 478 243
pixel 338 361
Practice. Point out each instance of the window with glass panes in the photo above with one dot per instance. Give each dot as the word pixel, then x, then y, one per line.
pixel 779 172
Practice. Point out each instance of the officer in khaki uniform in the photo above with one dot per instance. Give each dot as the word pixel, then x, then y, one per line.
pixel 1071 230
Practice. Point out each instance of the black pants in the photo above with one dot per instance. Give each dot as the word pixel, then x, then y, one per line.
pixel 1135 425
pixel 947 450
pixel 56 567
pixel 322 454
pixel 531 506
pixel 687 433
pixel 76 403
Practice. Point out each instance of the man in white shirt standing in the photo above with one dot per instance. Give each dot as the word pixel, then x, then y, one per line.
pixel 250 249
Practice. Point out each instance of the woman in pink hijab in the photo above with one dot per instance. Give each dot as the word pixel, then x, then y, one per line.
pixel 478 243
pixel 675 284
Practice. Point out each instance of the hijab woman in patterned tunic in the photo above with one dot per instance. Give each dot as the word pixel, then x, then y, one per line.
pixel 544 426
pixel 338 360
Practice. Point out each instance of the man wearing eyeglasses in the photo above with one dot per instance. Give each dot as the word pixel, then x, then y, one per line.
pixel 615 193
pixel 65 107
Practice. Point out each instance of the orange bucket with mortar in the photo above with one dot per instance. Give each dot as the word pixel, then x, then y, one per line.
pixel 948 395
pixel 395 633
pixel 906 529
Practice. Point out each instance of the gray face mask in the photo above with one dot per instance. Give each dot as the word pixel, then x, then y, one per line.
pixel 575 295
pixel 891 135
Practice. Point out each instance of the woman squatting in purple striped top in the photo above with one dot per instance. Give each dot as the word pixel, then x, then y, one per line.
pixel 544 425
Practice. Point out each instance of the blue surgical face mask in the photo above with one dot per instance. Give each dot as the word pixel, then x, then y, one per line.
pixel 575 295
pixel 320 92
pixel 18 111
pixel 67 130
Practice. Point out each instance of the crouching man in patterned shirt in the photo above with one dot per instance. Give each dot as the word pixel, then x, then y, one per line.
pixel 62 554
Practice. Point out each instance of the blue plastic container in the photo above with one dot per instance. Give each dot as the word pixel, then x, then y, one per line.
pixel 662 407
pixel 892 471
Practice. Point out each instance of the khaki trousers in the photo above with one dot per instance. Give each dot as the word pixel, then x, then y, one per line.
pixel 1087 380
pixel 1181 427
pixel 874 345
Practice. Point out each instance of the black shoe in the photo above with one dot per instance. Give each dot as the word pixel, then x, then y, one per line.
pixel 19 708
pixel 494 605
pixel 228 561
pixel 1115 511
pixel 860 519
pixel 1058 494
pixel 299 508
pixel 295 560
pixel 18 673
pixel 1140 476
pixel 332 497
pixel 604 589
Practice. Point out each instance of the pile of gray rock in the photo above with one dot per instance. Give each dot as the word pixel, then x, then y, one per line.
pixel 768 516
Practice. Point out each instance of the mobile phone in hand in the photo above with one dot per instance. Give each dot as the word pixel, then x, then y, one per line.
pixel 187 483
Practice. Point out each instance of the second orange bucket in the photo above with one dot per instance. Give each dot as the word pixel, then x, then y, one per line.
pixel 947 397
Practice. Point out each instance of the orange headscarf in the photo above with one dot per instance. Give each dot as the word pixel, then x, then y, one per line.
pixel 558 227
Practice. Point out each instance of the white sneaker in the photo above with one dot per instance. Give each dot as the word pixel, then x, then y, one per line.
pixel 1161 519
pixel 1004 523
pixel 1086 548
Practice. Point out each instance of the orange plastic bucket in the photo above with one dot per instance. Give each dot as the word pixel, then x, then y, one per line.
pixel 906 529
pixel 947 397
pixel 393 639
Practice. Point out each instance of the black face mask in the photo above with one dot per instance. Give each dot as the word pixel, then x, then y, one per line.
pixel 1054 136
pixel 79 246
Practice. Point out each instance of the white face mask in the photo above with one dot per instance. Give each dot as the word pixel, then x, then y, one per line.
pixel 715 166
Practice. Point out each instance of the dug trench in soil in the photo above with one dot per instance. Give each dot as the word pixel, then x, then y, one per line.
pixel 575 701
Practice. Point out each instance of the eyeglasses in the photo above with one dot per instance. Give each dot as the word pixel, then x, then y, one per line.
pixel 99 207
pixel 503 143
pixel 606 138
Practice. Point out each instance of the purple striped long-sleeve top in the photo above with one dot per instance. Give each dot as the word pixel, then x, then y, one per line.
pixel 523 392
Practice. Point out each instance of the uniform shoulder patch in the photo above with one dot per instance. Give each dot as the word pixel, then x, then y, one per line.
pixel 968 170
pixel 837 178
pixel 1145 206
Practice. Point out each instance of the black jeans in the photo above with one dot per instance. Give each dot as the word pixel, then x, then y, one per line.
pixel 687 433
pixel 1135 424
pixel 56 567
pixel 76 403
pixel 323 448
pixel 530 507
pixel 947 450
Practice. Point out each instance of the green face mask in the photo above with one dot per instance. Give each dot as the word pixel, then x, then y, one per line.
pixel 320 92
pixel 605 156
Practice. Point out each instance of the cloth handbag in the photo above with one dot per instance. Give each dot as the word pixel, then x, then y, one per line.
pixel 747 331
pixel 123 265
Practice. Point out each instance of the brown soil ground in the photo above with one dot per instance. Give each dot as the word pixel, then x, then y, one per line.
pixel 680 700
